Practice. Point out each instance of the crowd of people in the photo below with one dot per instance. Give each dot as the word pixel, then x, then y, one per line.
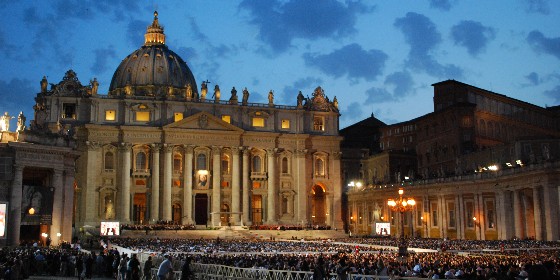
pixel 160 225
pixel 464 259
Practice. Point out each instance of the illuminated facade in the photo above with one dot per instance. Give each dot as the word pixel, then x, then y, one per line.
pixel 157 147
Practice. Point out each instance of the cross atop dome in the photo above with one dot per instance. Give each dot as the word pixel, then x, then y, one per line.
pixel 154 34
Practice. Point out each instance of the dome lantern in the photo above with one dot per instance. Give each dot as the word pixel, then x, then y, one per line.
pixel 154 33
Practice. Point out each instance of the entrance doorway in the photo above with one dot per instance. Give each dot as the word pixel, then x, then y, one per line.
pixel 318 205
pixel 139 209
pixel 29 234
pixel 201 209
pixel 257 217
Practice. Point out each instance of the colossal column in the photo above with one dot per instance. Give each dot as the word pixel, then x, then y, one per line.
pixel 124 212
pixel 235 192
pixel 336 212
pixel 15 205
pixel 537 213
pixel 154 205
pixel 216 191
pixel 167 178
pixel 301 186
pixel 57 215
pixel 188 183
pixel 88 207
pixel 271 186
pixel 68 190
pixel 517 217
pixel 246 187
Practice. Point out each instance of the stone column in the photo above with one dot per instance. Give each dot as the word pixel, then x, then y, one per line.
pixel 216 188
pixel 517 217
pixel 15 206
pixel 188 184
pixel 461 221
pixel 477 214
pixel 68 199
pixel 235 188
pixel 444 212
pixel 336 212
pixel 167 180
pixel 88 207
pixel 457 216
pixel 537 213
pixel 57 215
pixel 246 187
pixel 301 186
pixel 550 206
pixel 154 205
pixel 124 212
pixel 500 216
pixel 271 186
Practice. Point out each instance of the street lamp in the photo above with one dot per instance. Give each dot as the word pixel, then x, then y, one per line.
pixel 401 205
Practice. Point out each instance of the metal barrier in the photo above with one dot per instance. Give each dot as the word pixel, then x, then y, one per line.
pixel 215 272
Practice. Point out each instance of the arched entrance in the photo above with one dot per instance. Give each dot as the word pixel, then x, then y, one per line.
pixel 318 203
pixel 201 209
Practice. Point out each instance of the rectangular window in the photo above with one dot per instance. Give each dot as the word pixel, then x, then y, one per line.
pixel 110 115
pixel 177 116
pixel 318 123
pixel 419 214
pixel 142 116
pixel 434 214
pixel 226 118
pixel 490 214
pixel 451 217
pixel 69 111
pixel 258 122
pixel 285 124
pixel 470 214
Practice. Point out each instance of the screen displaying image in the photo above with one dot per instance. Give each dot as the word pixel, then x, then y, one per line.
pixel 383 228
pixel 3 209
pixel 109 228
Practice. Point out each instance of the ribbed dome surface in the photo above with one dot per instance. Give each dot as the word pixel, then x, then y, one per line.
pixel 153 69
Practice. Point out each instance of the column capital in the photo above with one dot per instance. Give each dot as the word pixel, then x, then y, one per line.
pixel 337 155
pixel 93 145
pixel 124 146
pixel 236 150
pixel 301 152
pixel 168 148
pixel 189 149
pixel 271 152
pixel 156 146
pixel 217 149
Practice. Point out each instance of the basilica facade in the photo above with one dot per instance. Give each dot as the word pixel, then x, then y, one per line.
pixel 156 147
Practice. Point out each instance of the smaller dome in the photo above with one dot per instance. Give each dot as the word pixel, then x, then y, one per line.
pixel 153 70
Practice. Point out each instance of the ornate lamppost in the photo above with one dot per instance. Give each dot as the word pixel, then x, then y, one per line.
pixel 401 205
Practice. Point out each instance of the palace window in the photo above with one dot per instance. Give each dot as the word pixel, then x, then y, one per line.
pixel 201 161
pixel 318 123
pixel 177 116
pixel 141 161
pixel 257 164
pixel 319 167
pixel 110 115
pixel 69 111
pixel 285 124
pixel 258 122
pixel 226 118
pixel 109 161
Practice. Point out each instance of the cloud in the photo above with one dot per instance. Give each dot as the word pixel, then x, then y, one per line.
pixel 280 22
pixel 378 95
pixel 16 96
pixel 444 5
pixel 351 61
pixel 135 31
pixel 422 36
pixel 6 48
pixel 352 112
pixel 533 78
pixel 102 56
pixel 398 85
pixel 472 35
pixel 540 43
pixel 554 94
pixel 305 85
pixel 537 6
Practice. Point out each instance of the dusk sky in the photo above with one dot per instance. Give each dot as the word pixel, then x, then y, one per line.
pixel 376 57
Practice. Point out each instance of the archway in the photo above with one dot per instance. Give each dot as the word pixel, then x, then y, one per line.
pixel 201 209
pixel 318 203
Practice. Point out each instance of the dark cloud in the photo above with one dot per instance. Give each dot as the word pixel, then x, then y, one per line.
pixel 533 78
pixel 444 5
pixel 16 96
pixel 537 6
pixel 554 94
pixel 540 43
pixel 351 60
pixel 7 49
pixel 305 85
pixel 472 35
pixel 102 56
pixel 378 95
pixel 279 22
pixel 422 36
pixel 351 113
pixel 402 84
pixel 135 31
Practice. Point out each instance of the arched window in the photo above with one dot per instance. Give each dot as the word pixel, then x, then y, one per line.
pixel 201 162
pixel 177 163
pixel 109 161
pixel 256 164
pixel 285 165
pixel 141 161
pixel 319 167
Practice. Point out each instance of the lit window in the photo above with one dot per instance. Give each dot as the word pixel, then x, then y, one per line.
pixel 258 122
pixel 110 115
pixel 142 116
pixel 226 118
pixel 318 123
pixel 285 124
pixel 178 116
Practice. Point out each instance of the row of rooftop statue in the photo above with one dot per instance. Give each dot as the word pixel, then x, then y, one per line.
pixel 5 122
pixel 190 95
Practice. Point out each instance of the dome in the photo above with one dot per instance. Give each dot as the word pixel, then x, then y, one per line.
pixel 153 70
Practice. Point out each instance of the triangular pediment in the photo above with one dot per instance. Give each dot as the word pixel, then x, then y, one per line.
pixel 203 121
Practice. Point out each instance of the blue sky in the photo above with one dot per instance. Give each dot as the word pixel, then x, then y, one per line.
pixel 376 57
